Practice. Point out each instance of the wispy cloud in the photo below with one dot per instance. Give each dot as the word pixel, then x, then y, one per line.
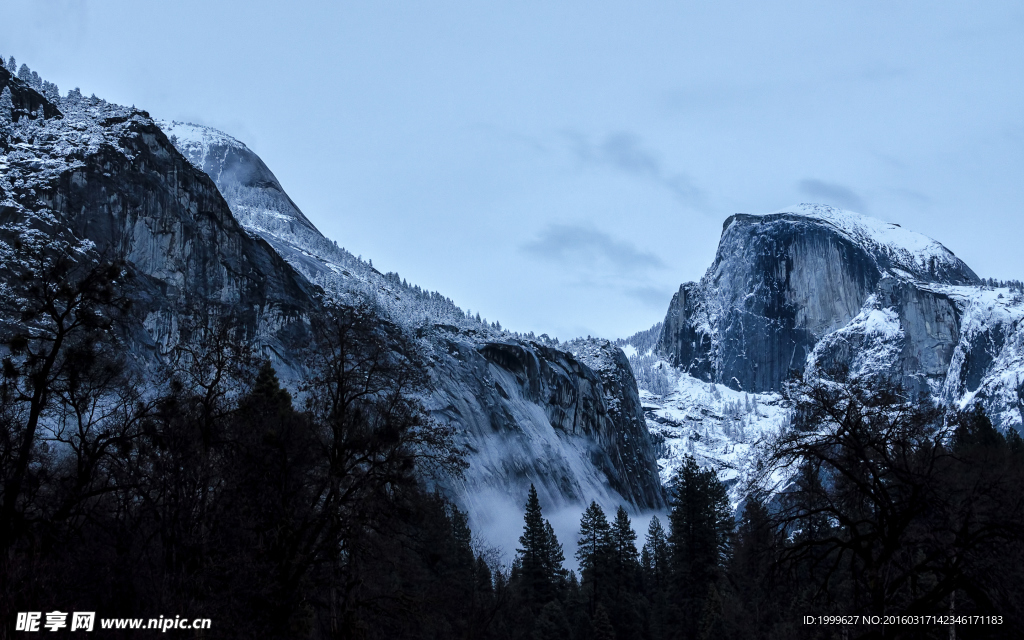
pixel 657 297
pixel 583 245
pixel 625 152
pixel 592 259
pixel 910 195
pixel 834 194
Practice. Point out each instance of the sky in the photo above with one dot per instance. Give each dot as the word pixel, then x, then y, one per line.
pixel 562 167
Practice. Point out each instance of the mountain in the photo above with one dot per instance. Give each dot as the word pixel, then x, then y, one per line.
pixel 783 281
pixel 206 228
pixel 821 292
pixel 566 418
pixel 206 231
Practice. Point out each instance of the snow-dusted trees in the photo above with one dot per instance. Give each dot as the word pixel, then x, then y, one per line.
pixel 29 77
pixel 6 110
pixel 1012 285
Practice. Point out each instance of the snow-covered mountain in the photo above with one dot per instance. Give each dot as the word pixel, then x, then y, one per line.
pixel 819 291
pixel 204 223
pixel 565 418
pixel 210 228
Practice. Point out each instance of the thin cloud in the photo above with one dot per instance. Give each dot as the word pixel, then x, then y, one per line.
pixel 834 194
pixel 625 152
pixel 650 296
pixel 916 197
pixel 585 246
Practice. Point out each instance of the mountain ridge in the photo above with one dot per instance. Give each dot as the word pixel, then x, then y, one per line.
pixel 562 416
pixel 567 467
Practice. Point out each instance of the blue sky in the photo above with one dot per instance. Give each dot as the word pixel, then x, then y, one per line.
pixel 563 166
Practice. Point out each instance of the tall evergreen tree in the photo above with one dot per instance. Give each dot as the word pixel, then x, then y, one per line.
pixel 551 624
pixel 656 570
pixel 701 527
pixel 655 556
pixel 625 557
pixel 554 559
pixel 540 557
pixel 749 609
pixel 593 552
pixel 602 626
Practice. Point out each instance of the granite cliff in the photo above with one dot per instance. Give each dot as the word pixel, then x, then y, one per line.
pixel 820 292
pixel 108 175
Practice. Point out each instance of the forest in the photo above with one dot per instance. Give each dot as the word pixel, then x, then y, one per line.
pixel 203 488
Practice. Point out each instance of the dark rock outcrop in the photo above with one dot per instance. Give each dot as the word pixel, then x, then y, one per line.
pixel 124 187
pixel 532 414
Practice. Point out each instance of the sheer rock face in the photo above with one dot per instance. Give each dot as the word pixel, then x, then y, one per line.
pixel 819 291
pixel 532 414
pixel 110 176
pixel 987 363
pixel 777 286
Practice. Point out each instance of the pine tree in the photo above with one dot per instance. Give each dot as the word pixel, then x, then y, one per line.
pixel 6 110
pixel 655 563
pixel 463 540
pixel 554 558
pixel 594 538
pixel 656 545
pixel 701 526
pixel 594 552
pixel 711 623
pixel 624 551
pixel 483 582
pixel 754 554
pixel 603 629
pixel 625 573
pixel 540 557
pixel 551 624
